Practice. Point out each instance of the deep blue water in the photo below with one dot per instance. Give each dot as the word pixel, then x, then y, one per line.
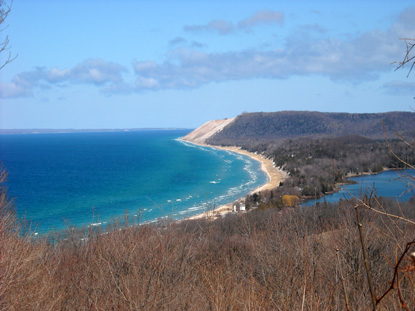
pixel 391 184
pixel 76 179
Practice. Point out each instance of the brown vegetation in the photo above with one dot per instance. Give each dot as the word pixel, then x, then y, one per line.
pixel 290 200
pixel 354 255
pixel 307 258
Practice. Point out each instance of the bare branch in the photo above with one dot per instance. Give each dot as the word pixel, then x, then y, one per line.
pixel 4 45
pixel 395 280
pixel 409 55
pixel 366 258
pixel 365 205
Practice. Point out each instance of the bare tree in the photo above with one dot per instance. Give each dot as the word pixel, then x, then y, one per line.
pixel 4 45
pixel 409 55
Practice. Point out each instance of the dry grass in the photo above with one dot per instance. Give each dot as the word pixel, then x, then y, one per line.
pixel 264 260
pixel 290 200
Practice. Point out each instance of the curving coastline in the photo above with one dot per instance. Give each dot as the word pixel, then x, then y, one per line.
pixel 199 137
pixel 275 176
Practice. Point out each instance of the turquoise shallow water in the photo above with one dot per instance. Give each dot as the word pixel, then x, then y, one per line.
pixel 77 179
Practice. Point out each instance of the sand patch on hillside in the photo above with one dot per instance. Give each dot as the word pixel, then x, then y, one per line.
pixel 201 134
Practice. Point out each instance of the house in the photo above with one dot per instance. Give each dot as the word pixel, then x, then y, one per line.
pixel 239 207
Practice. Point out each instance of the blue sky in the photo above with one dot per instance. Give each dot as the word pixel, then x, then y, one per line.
pixel 140 64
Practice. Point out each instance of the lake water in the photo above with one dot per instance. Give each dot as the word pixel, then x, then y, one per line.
pixel 391 184
pixel 77 179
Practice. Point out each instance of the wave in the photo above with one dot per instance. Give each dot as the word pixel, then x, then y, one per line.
pixel 181 177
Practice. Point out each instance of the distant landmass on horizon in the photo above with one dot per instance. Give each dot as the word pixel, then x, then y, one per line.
pixel 40 131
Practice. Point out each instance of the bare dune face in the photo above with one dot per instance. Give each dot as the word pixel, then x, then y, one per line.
pixel 207 130
pixel 201 134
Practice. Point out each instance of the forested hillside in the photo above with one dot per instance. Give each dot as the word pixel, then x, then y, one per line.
pixel 315 166
pixel 261 126
pixel 318 150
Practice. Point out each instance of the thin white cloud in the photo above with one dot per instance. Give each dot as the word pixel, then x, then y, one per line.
pixel 197 45
pixel 400 88
pixel 177 41
pixel 219 26
pixel 314 28
pixel 262 17
pixel 357 59
pixel 13 90
pixel 223 27
pixel 97 71
pixel 90 71
pixel 180 41
pixel 117 88
pixel 354 59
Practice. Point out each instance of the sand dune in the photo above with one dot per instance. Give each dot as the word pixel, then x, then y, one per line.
pixel 201 134
pixel 199 137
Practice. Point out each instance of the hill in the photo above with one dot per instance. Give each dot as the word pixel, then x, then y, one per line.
pixel 268 126
pixel 207 130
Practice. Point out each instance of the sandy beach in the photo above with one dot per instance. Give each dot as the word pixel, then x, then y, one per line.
pixel 275 176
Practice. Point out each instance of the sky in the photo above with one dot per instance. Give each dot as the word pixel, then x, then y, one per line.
pixel 178 64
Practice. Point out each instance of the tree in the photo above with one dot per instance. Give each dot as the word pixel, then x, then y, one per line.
pixel 4 45
pixel 409 55
pixel 404 262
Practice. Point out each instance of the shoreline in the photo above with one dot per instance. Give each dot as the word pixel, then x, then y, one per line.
pixel 339 186
pixel 274 175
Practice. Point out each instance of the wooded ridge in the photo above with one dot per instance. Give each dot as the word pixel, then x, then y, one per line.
pixel 317 149
pixel 268 126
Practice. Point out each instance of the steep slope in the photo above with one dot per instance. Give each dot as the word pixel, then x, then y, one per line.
pixel 260 126
pixel 201 134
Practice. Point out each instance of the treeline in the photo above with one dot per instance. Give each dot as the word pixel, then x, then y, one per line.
pixel 315 166
pixel 319 150
pixel 261 126
pixel 263 260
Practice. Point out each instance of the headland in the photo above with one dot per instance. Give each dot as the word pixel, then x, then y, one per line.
pixel 199 137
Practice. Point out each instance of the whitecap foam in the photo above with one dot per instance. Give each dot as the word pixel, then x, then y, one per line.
pixel 95 224
pixel 194 208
